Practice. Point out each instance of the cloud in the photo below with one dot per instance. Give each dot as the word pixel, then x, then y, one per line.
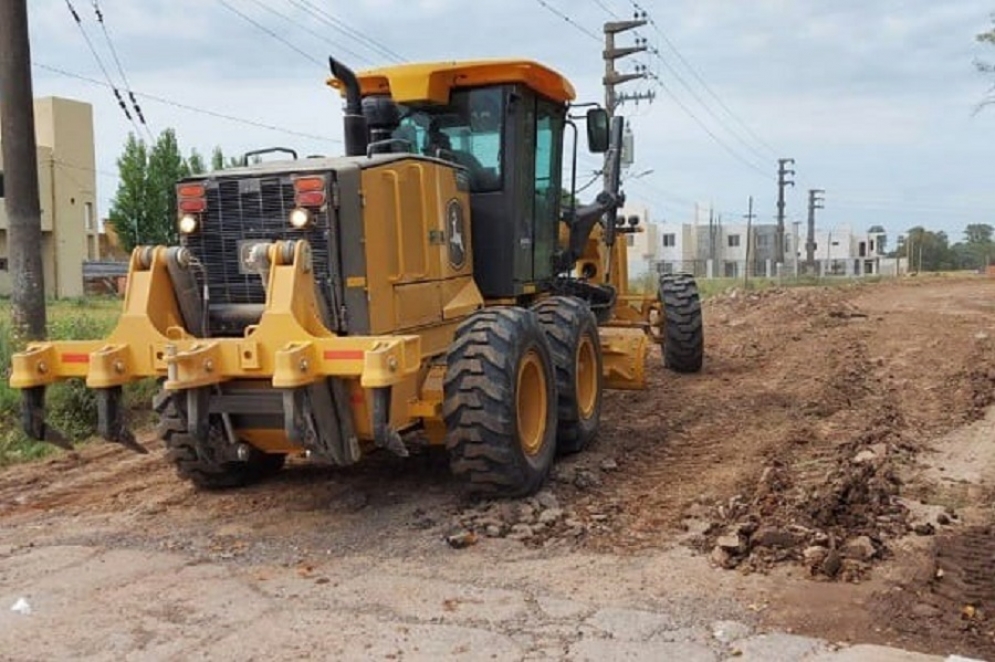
pixel 874 100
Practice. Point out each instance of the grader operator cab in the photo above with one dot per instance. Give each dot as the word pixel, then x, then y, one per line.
pixel 430 281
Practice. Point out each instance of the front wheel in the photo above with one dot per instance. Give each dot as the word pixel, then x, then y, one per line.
pixel 683 331
pixel 499 409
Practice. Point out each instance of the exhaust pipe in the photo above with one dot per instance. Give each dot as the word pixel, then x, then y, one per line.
pixel 353 123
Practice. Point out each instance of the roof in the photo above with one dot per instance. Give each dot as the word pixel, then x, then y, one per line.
pixel 433 81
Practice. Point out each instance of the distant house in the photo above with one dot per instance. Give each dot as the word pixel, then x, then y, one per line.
pixel 68 191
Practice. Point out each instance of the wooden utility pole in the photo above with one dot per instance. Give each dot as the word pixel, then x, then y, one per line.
pixel 17 134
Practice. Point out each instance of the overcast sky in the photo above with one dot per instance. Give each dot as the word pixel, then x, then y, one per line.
pixel 875 99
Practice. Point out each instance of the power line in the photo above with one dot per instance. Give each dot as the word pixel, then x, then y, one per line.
pixel 736 155
pixel 271 33
pixel 193 109
pixel 307 29
pixel 605 8
pixel 701 80
pixel 100 63
pixel 569 20
pixel 344 28
pixel 120 68
pixel 706 107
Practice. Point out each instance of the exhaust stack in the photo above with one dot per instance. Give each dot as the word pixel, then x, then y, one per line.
pixel 353 123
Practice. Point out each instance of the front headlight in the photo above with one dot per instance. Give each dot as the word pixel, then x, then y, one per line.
pixel 300 218
pixel 188 223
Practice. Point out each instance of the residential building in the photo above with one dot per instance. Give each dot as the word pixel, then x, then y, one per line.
pixel 643 247
pixel 713 249
pixel 67 191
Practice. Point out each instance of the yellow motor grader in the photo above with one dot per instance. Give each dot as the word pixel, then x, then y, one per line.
pixel 434 280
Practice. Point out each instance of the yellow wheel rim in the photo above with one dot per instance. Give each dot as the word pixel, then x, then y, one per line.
pixel 532 405
pixel 587 377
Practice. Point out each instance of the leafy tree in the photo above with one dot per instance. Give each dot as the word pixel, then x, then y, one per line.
pixel 129 209
pixel 144 209
pixel 196 163
pixel 987 68
pixel 929 251
pixel 219 162
pixel 978 233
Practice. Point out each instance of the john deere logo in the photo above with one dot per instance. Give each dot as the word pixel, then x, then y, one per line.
pixel 455 233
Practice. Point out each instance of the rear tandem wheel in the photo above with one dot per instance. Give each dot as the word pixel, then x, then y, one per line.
pixel 572 330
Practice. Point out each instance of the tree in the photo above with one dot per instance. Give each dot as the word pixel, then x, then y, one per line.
pixel 219 162
pixel 929 251
pixel 987 68
pixel 196 163
pixel 144 209
pixel 978 233
pixel 129 210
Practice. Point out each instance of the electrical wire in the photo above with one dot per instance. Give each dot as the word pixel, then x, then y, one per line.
pixel 271 33
pixel 707 108
pixel 736 155
pixel 193 109
pixel 100 63
pixel 605 8
pixel 120 68
pixel 697 76
pixel 569 20
pixel 347 30
pixel 307 29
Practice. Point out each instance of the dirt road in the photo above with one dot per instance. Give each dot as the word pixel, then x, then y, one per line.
pixel 829 474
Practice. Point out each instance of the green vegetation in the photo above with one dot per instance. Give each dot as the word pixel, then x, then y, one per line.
pixel 71 408
pixel 932 251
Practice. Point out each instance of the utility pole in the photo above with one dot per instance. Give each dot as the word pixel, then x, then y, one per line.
pixel 815 201
pixel 612 77
pixel 749 216
pixel 17 134
pixel 796 244
pixel 783 172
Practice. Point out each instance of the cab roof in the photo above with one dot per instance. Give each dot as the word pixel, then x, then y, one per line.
pixel 433 81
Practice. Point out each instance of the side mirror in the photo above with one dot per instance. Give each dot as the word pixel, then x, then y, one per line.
pixel 597 130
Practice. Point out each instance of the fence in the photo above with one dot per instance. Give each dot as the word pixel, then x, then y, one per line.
pixel 704 269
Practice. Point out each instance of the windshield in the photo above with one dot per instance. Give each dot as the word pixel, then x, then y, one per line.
pixel 467 131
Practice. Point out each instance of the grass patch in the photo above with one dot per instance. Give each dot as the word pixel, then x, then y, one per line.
pixel 71 407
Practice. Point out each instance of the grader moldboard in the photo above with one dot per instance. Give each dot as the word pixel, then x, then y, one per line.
pixel 431 281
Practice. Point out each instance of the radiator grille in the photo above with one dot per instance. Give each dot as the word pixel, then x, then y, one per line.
pixel 250 210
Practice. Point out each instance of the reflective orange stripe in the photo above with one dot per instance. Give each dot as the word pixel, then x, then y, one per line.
pixel 344 355
pixel 75 358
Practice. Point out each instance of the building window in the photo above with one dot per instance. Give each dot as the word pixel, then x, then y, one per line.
pixel 665 267
pixel 630 240
pixel 3 264
pixel 1 183
pixel 762 240
pixel 669 240
pixel 733 240
pixel 731 269
pixel 88 216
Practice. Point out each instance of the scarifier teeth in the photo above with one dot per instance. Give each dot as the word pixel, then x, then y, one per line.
pixel 56 438
pixel 127 439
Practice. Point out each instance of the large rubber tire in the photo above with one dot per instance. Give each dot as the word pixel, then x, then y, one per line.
pixel 204 468
pixel 683 334
pixel 572 331
pixel 500 390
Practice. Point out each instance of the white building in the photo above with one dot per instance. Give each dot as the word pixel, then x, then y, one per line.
pixel 644 245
